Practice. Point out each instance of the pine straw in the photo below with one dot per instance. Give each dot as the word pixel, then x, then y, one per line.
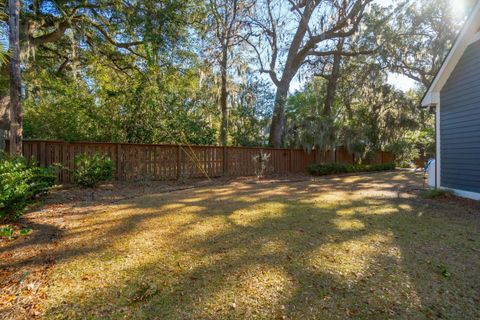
pixel 357 246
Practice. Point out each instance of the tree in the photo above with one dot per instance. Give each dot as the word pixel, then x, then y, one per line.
pixel 4 104
pixel 63 36
pixel 419 38
pixel 226 19
pixel 160 105
pixel 16 114
pixel 306 127
pixel 365 119
pixel 159 72
pixel 329 64
pixel 252 105
pixel 316 23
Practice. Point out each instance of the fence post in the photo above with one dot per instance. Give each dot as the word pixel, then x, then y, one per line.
pixel 119 161
pixel 43 154
pixel 71 160
pixel 65 175
pixel 290 161
pixel 179 173
pixel 225 161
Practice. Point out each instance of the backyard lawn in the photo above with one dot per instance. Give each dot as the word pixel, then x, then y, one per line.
pixel 365 246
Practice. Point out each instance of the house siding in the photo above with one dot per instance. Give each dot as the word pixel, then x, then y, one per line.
pixel 460 124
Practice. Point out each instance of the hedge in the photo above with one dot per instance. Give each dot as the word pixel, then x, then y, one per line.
pixel 338 168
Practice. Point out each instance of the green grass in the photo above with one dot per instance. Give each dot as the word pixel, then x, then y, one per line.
pixel 351 247
pixel 437 193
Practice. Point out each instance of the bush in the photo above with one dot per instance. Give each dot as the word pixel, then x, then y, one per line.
pixel 92 169
pixel 405 153
pixel 9 232
pixel 20 183
pixel 337 168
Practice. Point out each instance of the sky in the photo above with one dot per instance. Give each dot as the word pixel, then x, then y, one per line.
pixel 401 82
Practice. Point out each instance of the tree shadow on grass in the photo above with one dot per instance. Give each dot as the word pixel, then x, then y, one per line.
pixel 312 250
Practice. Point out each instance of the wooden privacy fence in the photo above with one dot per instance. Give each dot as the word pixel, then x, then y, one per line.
pixel 134 162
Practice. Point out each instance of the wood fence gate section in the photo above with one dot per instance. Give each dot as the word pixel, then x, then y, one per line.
pixel 133 162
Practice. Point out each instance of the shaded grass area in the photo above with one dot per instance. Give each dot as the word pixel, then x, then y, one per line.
pixel 358 247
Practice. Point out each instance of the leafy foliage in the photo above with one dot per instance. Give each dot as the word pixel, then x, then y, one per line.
pixel 338 168
pixel 92 169
pixel 405 152
pixel 442 269
pixel 7 232
pixel 144 72
pixel 419 36
pixel 367 118
pixel 250 113
pixel 20 183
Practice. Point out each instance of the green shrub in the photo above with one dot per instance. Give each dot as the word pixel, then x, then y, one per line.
pixel 338 168
pixel 92 169
pixel 405 152
pixel 7 232
pixel 20 183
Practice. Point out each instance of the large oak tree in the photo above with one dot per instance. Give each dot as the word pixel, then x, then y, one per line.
pixel 292 32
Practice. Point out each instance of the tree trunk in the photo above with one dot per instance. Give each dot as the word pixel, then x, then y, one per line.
pixel 333 80
pixel 278 117
pixel 16 116
pixel 224 98
pixel 4 120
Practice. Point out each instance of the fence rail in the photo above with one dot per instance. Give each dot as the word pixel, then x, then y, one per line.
pixel 169 162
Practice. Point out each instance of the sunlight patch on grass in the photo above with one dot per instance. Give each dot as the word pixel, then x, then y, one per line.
pixel 347 211
pixel 405 207
pixel 173 206
pixel 377 210
pixel 251 216
pixel 205 227
pixel 273 247
pixel 194 199
pixel 248 293
pixel 349 260
pixel 348 224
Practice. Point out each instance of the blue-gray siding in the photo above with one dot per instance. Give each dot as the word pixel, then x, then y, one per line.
pixel 460 124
